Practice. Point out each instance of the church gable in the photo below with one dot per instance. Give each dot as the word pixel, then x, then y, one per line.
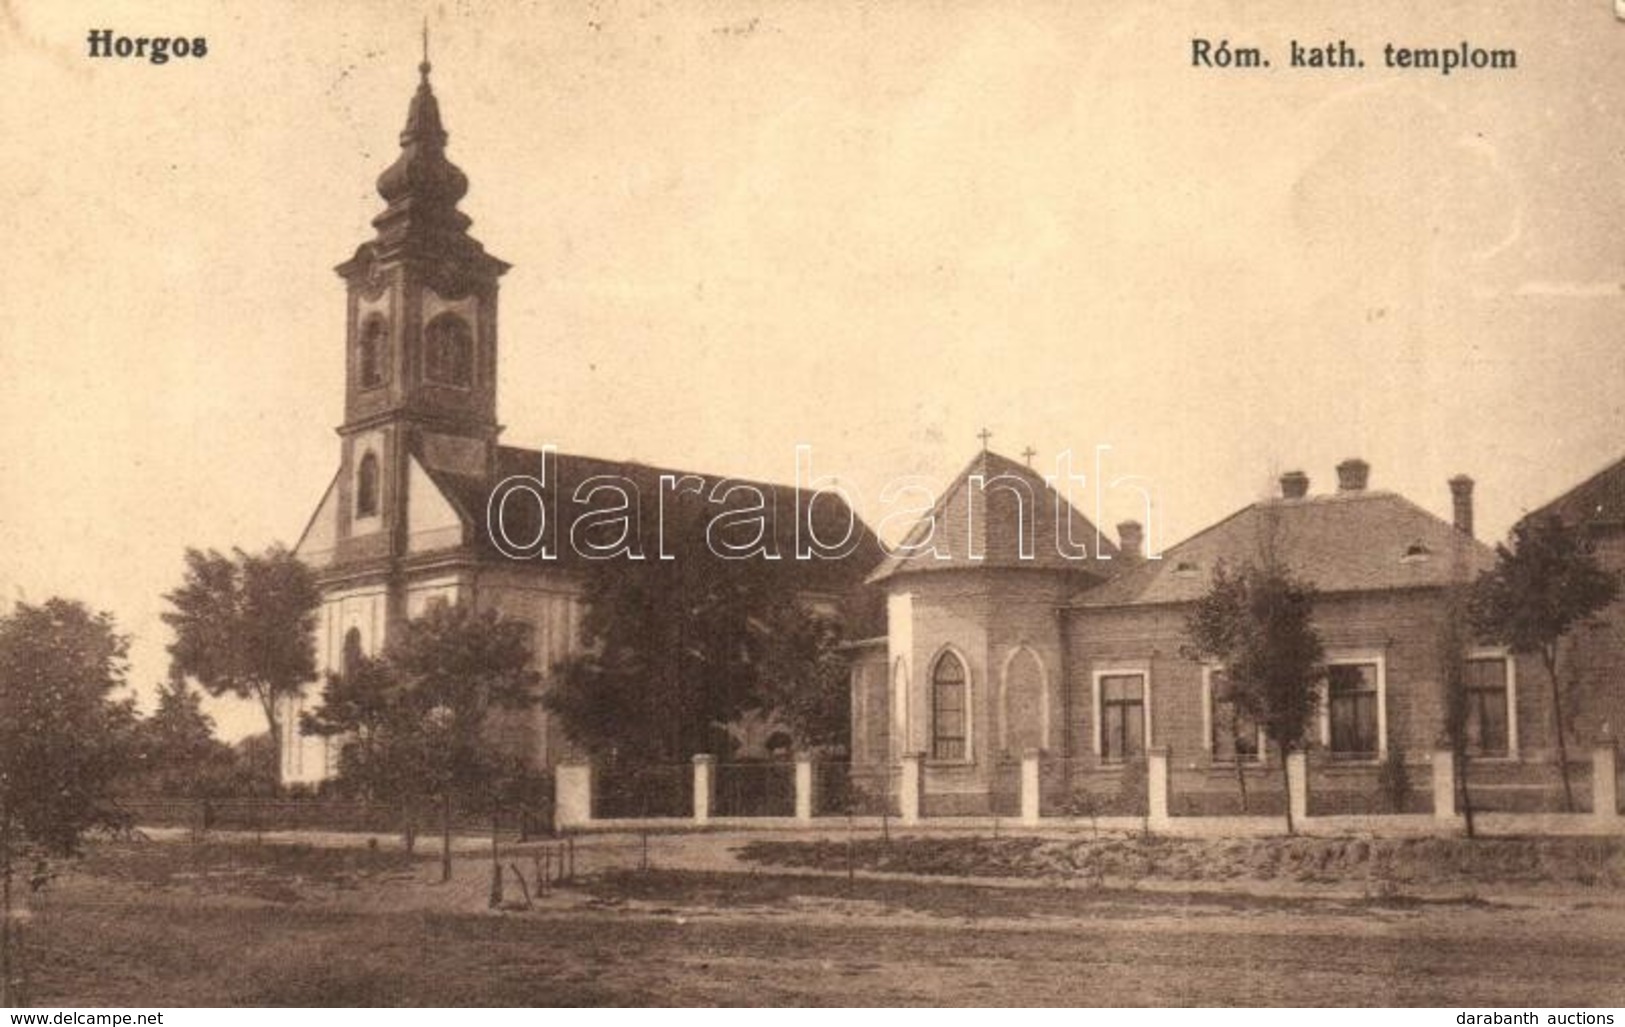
pixel 316 546
pixel 1001 514
pixel 432 521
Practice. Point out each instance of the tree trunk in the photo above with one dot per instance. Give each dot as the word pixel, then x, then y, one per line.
pixel 1286 781
pixel 5 903
pixel 1550 659
pixel 1241 772
pixel 445 837
pixel 275 731
pixel 496 867
pixel 1462 760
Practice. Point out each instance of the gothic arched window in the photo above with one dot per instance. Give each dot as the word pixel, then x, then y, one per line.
pixel 366 487
pixel 371 352
pixel 448 351
pixel 948 709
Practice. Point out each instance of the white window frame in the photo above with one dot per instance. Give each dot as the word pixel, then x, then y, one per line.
pixel 1349 657
pixel 1143 672
pixel 1208 670
pixel 1505 655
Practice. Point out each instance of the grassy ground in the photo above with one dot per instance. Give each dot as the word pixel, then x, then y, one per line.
pixel 173 924
pixel 1384 866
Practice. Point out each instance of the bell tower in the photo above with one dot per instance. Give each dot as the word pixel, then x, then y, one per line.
pixel 420 337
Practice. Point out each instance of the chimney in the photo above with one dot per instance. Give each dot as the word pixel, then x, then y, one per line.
pixel 1131 540
pixel 1461 495
pixel 1352 475
pixel 1294 485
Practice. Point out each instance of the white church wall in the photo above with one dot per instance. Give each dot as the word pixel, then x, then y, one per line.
pixel 553 609
pixel 431 522
pixel 310 760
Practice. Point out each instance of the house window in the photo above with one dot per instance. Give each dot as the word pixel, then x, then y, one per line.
pixel 1122 717
pixel 1352 709
pixel 366 487
pixel 1232 736
pixel 352 652
pixel 448 351
pixel 1488 722
pixel 948 708
pixel 370 357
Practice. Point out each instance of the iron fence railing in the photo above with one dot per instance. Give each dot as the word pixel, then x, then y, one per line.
pixel 1089 787
pixel 643 790
pixel 765 789
pixel 862 789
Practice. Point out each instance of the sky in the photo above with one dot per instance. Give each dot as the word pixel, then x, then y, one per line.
pixel 871 228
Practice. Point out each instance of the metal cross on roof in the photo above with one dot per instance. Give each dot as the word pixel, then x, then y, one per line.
pixel 984 435
pixel 1029 453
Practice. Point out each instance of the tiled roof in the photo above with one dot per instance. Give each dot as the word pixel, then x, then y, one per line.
pixel 977 523
pixel 1600 499
pixel 683 509
pixel 1363 541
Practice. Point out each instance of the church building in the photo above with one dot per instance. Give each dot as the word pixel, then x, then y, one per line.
pixel 423 476
pixel 1011 625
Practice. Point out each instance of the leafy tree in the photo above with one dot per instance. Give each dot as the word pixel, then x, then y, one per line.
pixel 804 680
pixel 417 719
pixel 1215 632
pixel 255 769
pixel 245 626
pixel 1258 621
pixel 1544 584
pixel 177 751
pixel 1453 640
pixel 672 651
pixel 680 648
pixel 384 753
pixel 65 736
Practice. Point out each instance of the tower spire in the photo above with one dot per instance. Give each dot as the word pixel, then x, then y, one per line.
pixel 421 190
pixel 422 187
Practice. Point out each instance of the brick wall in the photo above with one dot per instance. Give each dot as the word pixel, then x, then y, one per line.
pixel 1400 628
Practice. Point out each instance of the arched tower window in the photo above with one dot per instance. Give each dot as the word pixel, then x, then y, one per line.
pixel 352 652
pixel 371 352
pixel 949 709
pixel 448 351
pixel 366 487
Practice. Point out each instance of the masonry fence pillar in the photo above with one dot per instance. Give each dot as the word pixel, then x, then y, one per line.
pixel 1297 785
pixel 704 787
pixel 1029 788
pixel 908 790
pixel 804 787
pixel 1156 786
pixel 1604 783
pixel 572 794
pixel 1444 784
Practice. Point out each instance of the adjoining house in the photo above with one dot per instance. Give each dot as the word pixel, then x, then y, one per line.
pixel 1594 654
pixel 987 658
